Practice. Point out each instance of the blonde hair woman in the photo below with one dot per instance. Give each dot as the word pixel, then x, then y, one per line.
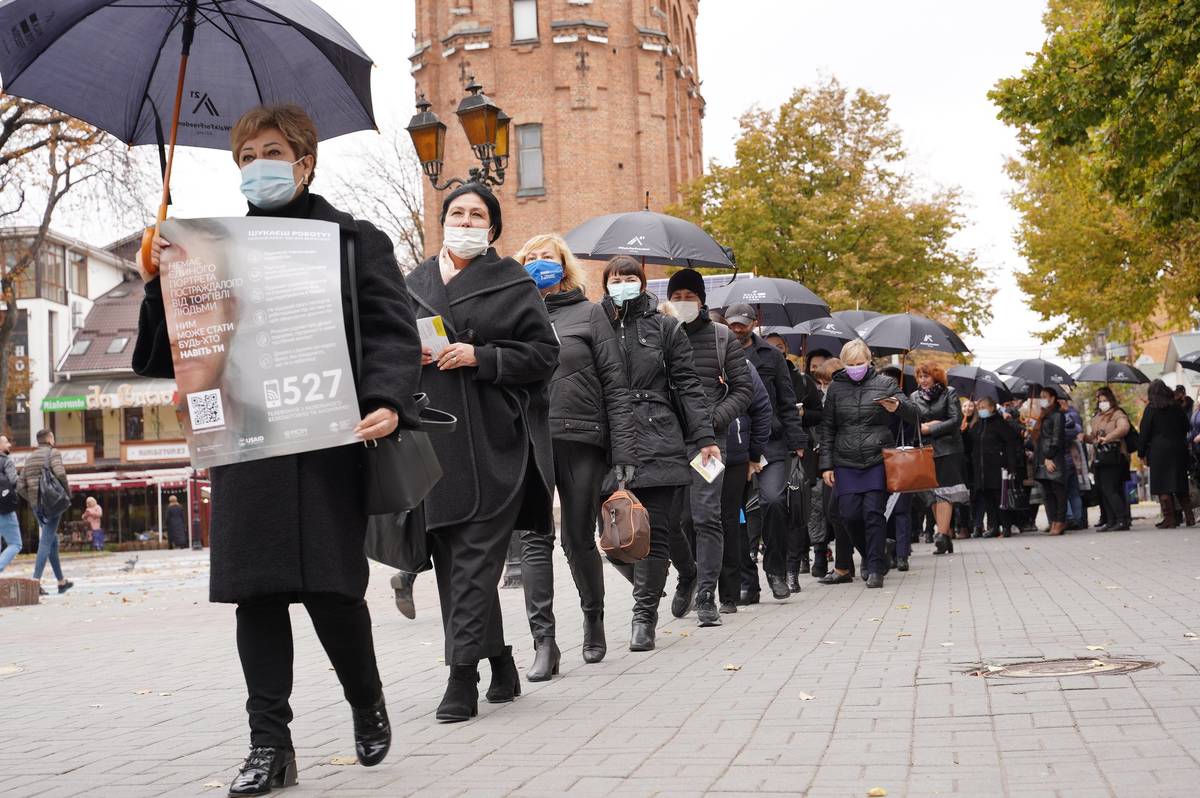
pixel 855 426
pixel 591 426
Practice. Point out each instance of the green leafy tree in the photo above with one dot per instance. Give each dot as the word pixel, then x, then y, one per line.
pixel 819 193
pixel 1120 79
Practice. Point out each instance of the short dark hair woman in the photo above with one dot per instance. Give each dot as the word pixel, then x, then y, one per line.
pixel 1164 448
pixel 941 420
pixel 591 425
pixel 1050 460
pixel 500 463
pixel 1109 428
pixel 658 363
pixel 290 529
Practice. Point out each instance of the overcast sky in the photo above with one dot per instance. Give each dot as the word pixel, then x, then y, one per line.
pixel 936 61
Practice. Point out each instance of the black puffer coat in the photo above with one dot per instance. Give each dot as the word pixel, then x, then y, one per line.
pixel 503 404
pixel 296 523
pixel 1051 445
pixel 731 397
pixel 787 433
pixel 653 345
pixel 945 413
pixel 589 393
pixel 992 444
pixel 855 429
pixel 748 434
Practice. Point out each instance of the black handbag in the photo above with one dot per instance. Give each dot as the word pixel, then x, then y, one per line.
pixel 399 471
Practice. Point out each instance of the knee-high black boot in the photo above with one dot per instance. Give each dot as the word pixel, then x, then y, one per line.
pixel 589 580
pixel 649 577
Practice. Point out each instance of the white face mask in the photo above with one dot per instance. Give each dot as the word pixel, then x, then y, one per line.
pixel 687 311
pixel 1105 407
pixel 465 242
pixel 1045 403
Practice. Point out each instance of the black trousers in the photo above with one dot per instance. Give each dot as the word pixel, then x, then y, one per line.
pixel 989 504
pixel 772 518
pixel 468 560
pixel 1110 482
pixel 799 509
pixel 734 492
pixel 864 523
pixel 1055 500
pixel 264 641
pixel 579 471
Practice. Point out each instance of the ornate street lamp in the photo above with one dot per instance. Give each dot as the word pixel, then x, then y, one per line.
pixel 486 128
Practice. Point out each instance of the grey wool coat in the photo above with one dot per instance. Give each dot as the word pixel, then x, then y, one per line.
pixel 296 523
pixel 502 405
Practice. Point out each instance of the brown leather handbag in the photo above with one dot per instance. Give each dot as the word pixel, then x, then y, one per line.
pixel 910 469
pixel 624 527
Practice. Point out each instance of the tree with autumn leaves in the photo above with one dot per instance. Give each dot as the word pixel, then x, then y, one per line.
pixel 818 193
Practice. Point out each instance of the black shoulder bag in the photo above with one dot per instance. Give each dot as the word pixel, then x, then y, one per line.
pixel 399 472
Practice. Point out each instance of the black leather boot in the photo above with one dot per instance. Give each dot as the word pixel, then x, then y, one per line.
pixel 595 646
pixel 685 596
pixel 624 569
pixel 545 660
pixel 265 769
pixel 649 577
pixel 403 583
pixel 588 573
pixel 793 581
pixel 506 682
pixel 820 564
pixel 372 734
pixel 461 701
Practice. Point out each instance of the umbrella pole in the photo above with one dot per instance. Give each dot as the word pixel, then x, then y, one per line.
pixel 189 30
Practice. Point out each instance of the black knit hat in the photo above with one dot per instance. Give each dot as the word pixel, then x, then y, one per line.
pixel 689 280
pixel 485 194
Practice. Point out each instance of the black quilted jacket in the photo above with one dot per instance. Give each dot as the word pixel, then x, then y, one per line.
pixel 854 427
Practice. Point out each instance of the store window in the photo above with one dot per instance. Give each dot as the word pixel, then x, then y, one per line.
pixel 93 431
pixel 135 424
pixel 531 179
pixel 525 21
pixel 77 273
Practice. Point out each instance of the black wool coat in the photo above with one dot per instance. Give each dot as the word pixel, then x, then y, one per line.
pixel 589 394
pixel 503 404
pixel 945 414
pixel 787 431
pixel 1164 448
pixel 855 429
pixel 296 523
pixel 992 444
pixel 658 362
pixel 1051 445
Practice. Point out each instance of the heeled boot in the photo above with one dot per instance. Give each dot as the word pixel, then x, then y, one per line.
pixel 1167 503
pixel 588 573
pixel 263 770
pixel 461 701
pixel 649 577
pixel 545 660
pixel 1185 504
pixel 372 734
pixel 506 682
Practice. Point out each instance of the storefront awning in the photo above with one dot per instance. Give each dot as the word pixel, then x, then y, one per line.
pixel 114 394
pixel 167 478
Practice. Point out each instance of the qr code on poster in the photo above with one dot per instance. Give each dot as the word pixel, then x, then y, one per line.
pixel 205 409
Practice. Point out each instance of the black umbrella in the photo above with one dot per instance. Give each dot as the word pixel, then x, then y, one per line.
pixel 978 383
pixel 1191 360
pixel 1036 371
pixel 900 333
pixel 1109 371
pixel 827 333
pixel 855 318
pixel 1016 385
pixel 779 302
pixel 107 62
pixel 650 237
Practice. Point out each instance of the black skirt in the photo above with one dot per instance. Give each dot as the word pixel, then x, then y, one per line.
pixel 951 470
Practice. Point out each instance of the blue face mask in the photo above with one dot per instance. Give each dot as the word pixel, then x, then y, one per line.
pixel 545 273
pixel 269 184
pixel 985 413
pixel 623 292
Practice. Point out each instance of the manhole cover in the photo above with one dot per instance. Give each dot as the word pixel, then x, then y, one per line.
pixel 1084 666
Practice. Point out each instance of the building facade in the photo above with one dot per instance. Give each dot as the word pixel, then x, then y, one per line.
pixel 604 97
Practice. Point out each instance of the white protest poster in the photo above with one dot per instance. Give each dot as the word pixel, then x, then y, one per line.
pixel 254 313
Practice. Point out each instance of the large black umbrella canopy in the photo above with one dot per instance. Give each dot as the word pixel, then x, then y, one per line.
pixel 900 333
pixel 855 318
pixel 779 301
pixel 1036 371
pixel 827 333
pixel 650 237
pixel 1018 386
pixel 115 64
pixel 1109 371
pixel 1191 360
pixel 977 383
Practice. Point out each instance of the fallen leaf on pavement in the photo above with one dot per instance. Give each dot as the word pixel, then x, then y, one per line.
pixel 806 697
pixel 979 572
pixel 344 760
pixel 1097 663
pixel 876 792
pixel 95 706
pixel 1190 634
pixel 829 642
pixel 904 634
pixel 877 619
pixel 904 606
pixel 166 695
pixel 732 667
pixel 213 785
pixel 143 692
pixel 1112 587
pixel 685 634
pixel 947 645
pixel 1096 648
pixel 995 668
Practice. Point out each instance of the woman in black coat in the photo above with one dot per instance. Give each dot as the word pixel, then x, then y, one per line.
pixel 1164 448
pixel 290 528
pixel 1050 460
pixel 994 446
pixel 941 421
pixel 672 413
pixel 591 427
pixel 500 475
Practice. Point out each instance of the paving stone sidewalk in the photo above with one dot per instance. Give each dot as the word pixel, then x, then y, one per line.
pixel 129 685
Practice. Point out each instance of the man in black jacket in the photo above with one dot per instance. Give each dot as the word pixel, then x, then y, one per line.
pixel 721 365
pixel 787 438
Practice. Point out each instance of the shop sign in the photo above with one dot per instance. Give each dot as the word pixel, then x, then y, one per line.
pixel 153 451
pixel 61 404
pixel 128 396
pixel 71 455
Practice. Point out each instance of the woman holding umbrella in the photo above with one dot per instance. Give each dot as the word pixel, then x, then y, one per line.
pixel 267 554
pixel 1109 429
pixel 1164 431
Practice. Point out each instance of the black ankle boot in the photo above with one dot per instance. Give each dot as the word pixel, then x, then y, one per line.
pixel 506 682
pixel 649 576
pixel 372 734
pixel 461 701
pixel 265 769
pixel 793 582
pixel 545 661
pixel 820 565
pixel 594 644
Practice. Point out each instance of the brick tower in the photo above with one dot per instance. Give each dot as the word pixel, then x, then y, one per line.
pixel 604 97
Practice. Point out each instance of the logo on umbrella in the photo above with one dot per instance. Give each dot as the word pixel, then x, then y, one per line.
pixel 28 29
pixel 831 327
pixel 205 102
pixel 636 241
pixel 1122 375
pixel 1056 378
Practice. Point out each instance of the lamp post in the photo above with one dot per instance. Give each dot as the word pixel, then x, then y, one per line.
pixel 486 128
